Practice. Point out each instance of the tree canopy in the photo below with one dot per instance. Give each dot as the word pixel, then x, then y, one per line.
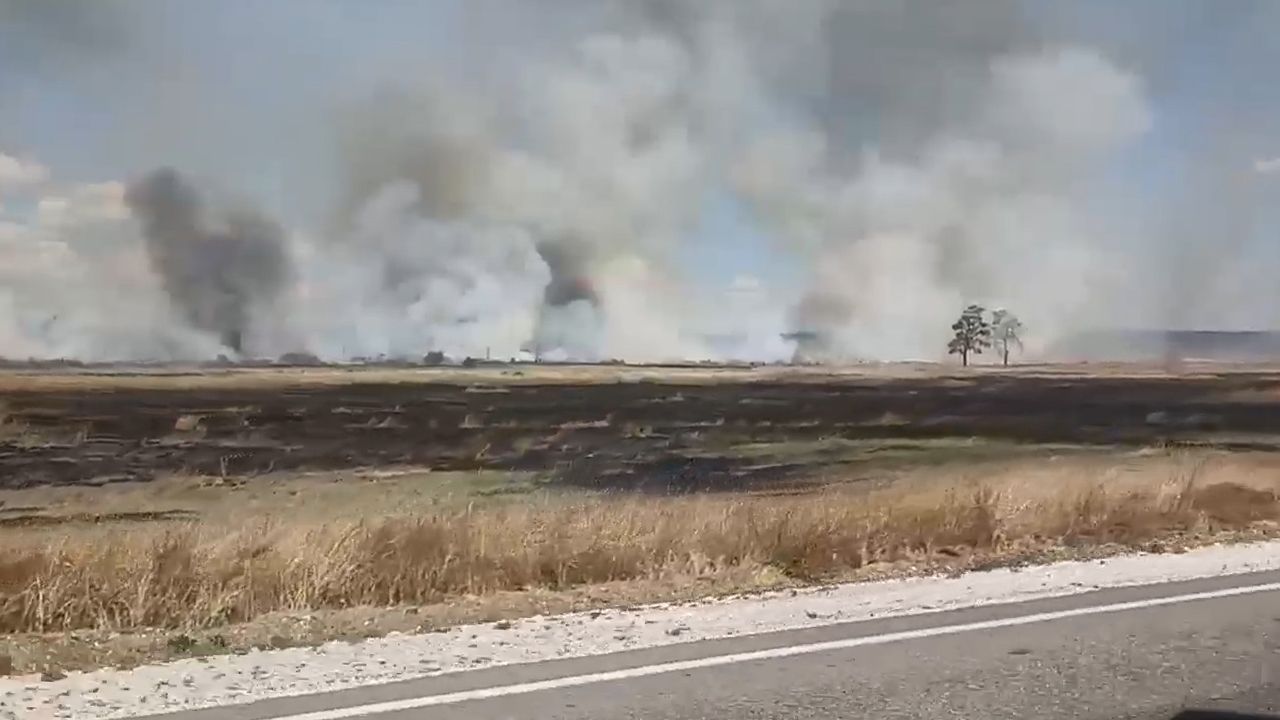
pixel 1006 329
pixel 972 334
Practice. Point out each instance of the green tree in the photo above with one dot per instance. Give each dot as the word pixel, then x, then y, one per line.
pixel 972 334
pixel 1006 328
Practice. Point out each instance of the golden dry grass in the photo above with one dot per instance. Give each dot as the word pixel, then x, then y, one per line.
pixel 196 378
pixel 204 574
pixel 179 377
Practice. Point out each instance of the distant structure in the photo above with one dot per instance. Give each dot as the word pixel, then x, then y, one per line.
pixel 1170 346
pixel 811 346
pixel 302 359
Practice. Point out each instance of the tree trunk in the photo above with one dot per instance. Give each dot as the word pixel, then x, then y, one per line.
pixel 1006 354
pixel 964 358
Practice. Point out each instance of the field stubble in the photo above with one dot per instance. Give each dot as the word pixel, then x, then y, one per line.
pixel 800 483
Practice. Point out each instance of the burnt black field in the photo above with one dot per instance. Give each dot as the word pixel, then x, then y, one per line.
pixel 647 435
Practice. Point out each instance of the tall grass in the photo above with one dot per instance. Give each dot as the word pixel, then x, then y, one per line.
pixel 200 575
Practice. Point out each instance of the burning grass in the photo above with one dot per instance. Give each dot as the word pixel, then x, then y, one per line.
pixel 209 574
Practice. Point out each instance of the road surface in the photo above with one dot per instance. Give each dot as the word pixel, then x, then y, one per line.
pixel 1144 652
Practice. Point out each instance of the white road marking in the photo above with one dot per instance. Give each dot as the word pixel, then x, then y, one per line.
pixel 769 654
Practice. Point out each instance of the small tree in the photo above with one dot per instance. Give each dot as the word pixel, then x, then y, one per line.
pixel 973 334
pixel 1007 330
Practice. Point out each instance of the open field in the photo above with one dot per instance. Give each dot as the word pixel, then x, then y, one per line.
pixel 297 561
pixel 597 427
pixel 148 516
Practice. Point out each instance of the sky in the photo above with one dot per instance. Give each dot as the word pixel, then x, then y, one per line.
pixel 803 165
pixel 62 122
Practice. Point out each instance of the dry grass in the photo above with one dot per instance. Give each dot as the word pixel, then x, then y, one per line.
pixel 180 377
pixel 197 378
pixel 205 574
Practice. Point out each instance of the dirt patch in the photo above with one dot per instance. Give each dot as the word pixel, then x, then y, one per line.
pixel 39 519
pixel 321 496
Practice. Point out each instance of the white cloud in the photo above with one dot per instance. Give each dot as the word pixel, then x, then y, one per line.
pixel 745 283
pixel 10 231
pixel 52 210
pixel 1266 166
pixel 104 200
pixel 83 204
pixel 14 171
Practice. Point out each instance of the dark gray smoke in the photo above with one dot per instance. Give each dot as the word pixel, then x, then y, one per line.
pixel 570 274
pixel 570 303
pixel 215 272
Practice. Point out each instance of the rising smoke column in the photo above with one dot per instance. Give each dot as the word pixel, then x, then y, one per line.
pixel 570 281
pixel 216 273
pixel 904 158
pixel 430 260
pixel 600 169
pixel 570 304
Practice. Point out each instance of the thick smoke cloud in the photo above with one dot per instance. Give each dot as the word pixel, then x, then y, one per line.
pixel 217 271
pixel 537 177
pixel 437 154
pixel 595 166
pixel 985 209
pixel 404 283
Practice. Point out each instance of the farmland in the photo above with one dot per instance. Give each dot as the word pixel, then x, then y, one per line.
pixel 149 513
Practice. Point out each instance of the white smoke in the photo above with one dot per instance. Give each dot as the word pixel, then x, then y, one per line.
pixel 608 176
pixel 407 284
pixel 905 162
pixel 990 212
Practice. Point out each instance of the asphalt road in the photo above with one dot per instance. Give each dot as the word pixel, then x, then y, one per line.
pixel 1147 652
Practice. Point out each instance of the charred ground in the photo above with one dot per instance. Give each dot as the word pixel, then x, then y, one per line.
pixel 729 430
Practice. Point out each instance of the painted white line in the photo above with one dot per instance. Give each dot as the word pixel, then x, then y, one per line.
pixel 769 654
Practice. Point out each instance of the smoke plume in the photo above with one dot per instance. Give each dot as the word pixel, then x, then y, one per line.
pixel 642 179
pixel 217 271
